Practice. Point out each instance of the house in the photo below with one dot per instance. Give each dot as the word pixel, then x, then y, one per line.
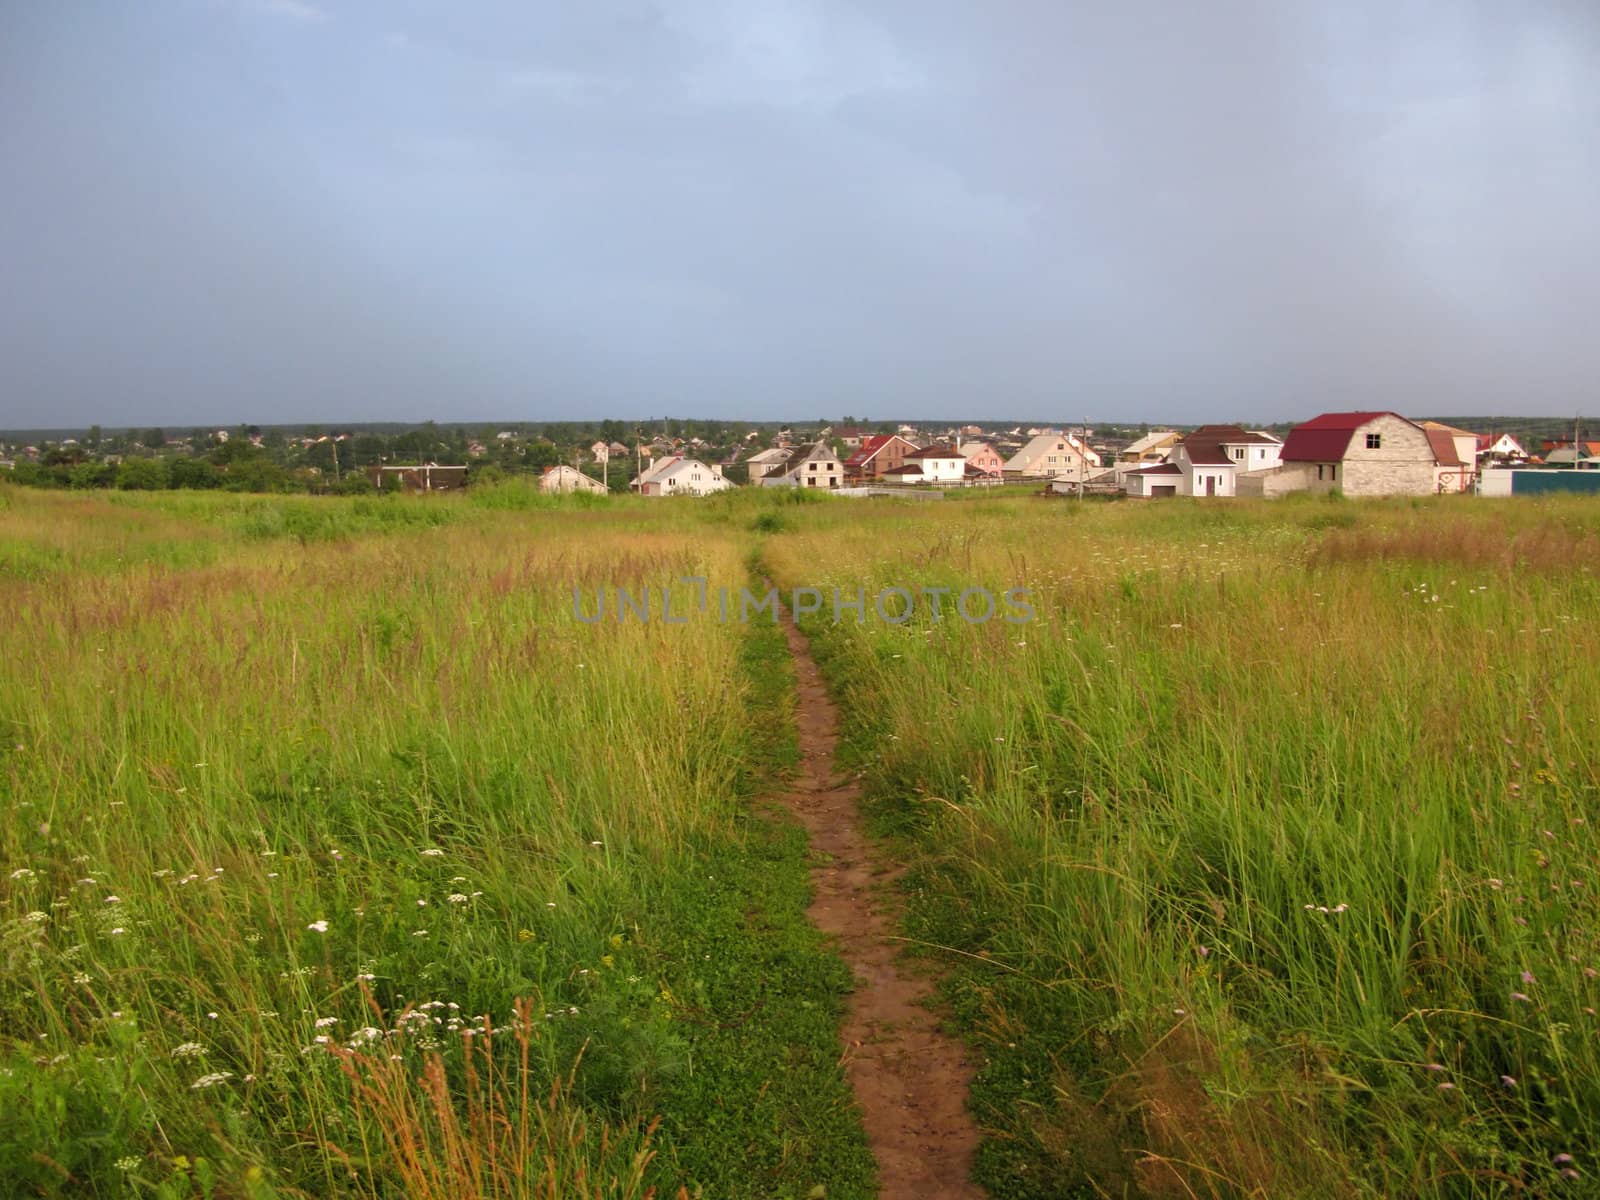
pixel 764 462
pixel 1152 448
pixel 617 448
pixel 850 436
pixel 600 452
pixel 425 477
pixel 983 460
pixel 564 479
pixel 1500 448
pixel 1360 453
pixel 940 465
pixel 1456 454
pixel 1050 454
pixel 813 466
pixel 1163 479
pixel 676 475
pixel 1561 454
pixel 877 456
pixel 1210 459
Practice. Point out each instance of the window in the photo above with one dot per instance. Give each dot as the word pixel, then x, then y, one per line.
pixel 1333 471
pixel 1374 441
pixel 1239 454
pixel 1319 470
pixel 813 466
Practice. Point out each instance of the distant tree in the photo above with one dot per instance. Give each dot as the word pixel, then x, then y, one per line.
pixel 153 438
pixel 92 475
pixel 92 438
pixel 142 475
pixel 193 473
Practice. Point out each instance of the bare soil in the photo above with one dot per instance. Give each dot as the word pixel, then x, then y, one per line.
pixel 910 1079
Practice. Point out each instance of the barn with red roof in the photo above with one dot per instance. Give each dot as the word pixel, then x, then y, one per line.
pixel 1361 454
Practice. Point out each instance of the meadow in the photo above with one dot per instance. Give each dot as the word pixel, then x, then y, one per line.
pixel 1262 863
pixel 339 859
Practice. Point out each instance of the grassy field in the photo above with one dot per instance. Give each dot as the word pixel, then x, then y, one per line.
pixel 339 859
pixel 1263 860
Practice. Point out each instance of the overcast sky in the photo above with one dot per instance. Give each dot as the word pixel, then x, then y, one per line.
pixel 322 210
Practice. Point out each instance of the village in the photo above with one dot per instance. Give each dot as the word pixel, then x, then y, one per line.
pixel 1353 453
pixel 1367 453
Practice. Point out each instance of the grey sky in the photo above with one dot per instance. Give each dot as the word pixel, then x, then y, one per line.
pixel 277 210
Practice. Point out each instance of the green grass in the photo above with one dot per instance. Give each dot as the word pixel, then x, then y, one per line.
pixel 1129 816
pixel 290 817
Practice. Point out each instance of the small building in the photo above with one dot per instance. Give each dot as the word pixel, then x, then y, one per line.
pixel 600 452
pixel 425 477
pixel 982 459
pixel 564 479
pixel 676 475
pixel 813 466
pixel 1163 479
pixel 1455 452
pixel 877 456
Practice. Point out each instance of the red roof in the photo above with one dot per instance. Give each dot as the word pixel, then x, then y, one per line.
pixel 1160 469
pixel 1444 448
pixel 1326 438
pixel 1205 445
pixel 869 448
pixel 934 452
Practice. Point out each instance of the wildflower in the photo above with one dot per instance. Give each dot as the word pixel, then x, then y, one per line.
pixel 1496 884
pixel 419 933
pixel 1508 1081
pixel 80 977
pixel 188 1050
pixel 211 1080
pixel 433 852
pixel 324 1022
pixel 117 931
pixel 22 873
pixel 1205 951
pixel 211 1016
pixel 456 898
pixel 597 843
pixel 1434 1067
pixel 318 927
pixel 36 917
pixel 1562 1160
pixel 422 903
pixel 128 1162
pixel 1521 997
pixel 1447 1086
pixel 1527 977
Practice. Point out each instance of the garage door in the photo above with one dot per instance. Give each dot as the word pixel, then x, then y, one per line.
pixel 1164 489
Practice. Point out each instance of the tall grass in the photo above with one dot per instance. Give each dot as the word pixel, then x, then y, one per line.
pixel 1265 857
pixel 287 820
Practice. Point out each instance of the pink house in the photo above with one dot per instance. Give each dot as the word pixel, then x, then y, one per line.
pixel 982 459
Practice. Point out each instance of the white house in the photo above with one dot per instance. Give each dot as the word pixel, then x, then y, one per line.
pixel 564 479
pixel 813 466
pixel 1052 454
pixel 942 465
pixel 600 452
pixel 675 475
pixel 1500 448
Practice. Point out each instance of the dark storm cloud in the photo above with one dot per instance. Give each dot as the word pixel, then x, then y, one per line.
pixel 222 210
